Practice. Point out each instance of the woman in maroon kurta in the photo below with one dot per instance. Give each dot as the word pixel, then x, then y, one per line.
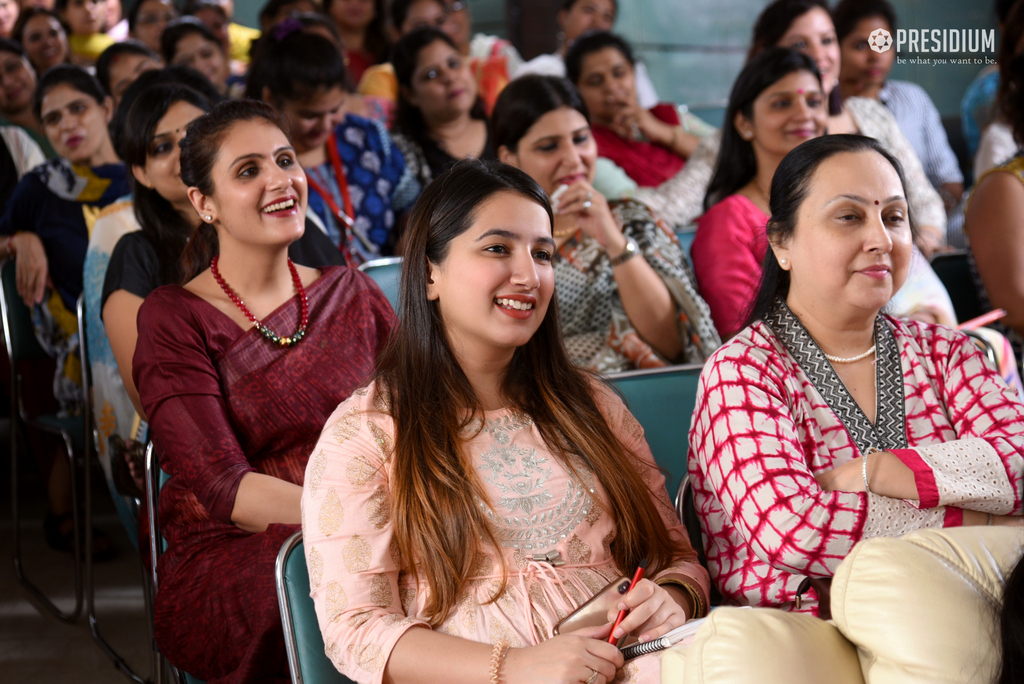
pixel 230 405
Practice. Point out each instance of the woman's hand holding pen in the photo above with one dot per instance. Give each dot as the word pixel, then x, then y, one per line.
pixel 653 612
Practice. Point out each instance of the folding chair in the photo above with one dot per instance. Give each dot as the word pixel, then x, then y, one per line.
pixel 23 347
pixel 387 273
pixel 302 639
pixel 89 437
pixel 156 478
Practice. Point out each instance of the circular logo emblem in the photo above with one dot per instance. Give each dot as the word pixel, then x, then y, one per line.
pixel 880 40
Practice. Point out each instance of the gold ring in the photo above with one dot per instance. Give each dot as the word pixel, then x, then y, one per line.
pixel 593 678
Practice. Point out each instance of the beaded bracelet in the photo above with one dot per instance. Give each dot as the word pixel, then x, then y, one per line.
pixel 497 658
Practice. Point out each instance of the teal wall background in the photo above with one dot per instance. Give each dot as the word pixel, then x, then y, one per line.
pixel 695 48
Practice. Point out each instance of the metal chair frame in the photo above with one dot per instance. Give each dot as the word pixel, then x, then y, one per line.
pixel 90 439
pixel 286 606
pixel 19 417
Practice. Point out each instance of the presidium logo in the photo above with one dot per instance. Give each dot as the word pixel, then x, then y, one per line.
pixel 936 40
pixel 880 40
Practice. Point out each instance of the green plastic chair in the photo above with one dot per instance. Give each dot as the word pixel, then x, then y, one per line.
pixel 22 347
pixel 663 399
pixel 387 273
pixel 156 478
pixel 302 639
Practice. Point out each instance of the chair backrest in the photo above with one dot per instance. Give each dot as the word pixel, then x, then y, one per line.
pixel 662 399
pixel 954 270
pixel 303 641
pixel 17 319
pixel 387 273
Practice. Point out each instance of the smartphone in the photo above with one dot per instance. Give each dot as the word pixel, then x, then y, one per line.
pixel 594 612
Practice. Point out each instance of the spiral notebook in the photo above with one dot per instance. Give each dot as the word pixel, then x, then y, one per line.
pixel 676 636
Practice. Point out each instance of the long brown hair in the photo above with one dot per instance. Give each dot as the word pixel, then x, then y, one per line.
pixel 435 488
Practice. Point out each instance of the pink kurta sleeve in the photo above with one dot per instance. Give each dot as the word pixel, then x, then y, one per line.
pixel 749 451
pixel 979 464
pixel 347 529
pixel 727 253
pixel 631 434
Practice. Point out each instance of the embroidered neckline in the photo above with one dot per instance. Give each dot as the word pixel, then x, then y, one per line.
pixel 889 429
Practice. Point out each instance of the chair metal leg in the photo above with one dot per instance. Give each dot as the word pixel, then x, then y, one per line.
pixel 90 585
pixel 41 598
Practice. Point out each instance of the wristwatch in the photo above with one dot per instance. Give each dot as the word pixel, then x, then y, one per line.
pixel 631 250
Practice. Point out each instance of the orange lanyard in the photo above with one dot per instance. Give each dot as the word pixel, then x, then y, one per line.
pixel 346 218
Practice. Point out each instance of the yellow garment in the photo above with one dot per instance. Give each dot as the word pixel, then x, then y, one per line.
pixel 241 38
pixel 90 47
pixel 379 81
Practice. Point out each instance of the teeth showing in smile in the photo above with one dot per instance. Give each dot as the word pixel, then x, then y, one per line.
pixel 280 206
pixel 514 304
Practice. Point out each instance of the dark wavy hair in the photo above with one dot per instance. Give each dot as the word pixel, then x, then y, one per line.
pixel 70 75
pixel 527 99
pixel 376 40
pixel 771 26
pixel 736 164
pixel 166 229
pixel 295 65
pixel 590 43
pixel 409 119
pixel 199 151
pixel 436 492
pixel 789 190
pixel 1009 98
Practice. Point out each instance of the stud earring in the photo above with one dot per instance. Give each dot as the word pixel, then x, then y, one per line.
pixel 208 218
pixel 782 261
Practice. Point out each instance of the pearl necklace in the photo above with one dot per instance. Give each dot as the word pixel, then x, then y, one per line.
pixel 850 359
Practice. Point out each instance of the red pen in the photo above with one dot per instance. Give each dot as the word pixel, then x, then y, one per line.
pixel 622 613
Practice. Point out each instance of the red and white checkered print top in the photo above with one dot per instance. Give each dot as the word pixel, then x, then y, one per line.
pixel 762 429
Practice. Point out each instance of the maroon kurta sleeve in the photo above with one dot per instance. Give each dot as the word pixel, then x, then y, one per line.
pixel 180 391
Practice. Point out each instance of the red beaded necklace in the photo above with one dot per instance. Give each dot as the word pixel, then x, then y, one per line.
pixel 264 330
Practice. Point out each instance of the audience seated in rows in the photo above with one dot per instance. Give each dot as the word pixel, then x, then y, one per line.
pixel 829 419
pixel 44 38
pixel 865 73
pixel 776 103
pixel 363 29
pixel 121 63
pixel 18 94
pixel 575 19
pixel 624 284
pixel 463 420
pixel 238 370
pixel 48 219
pixel 188 42
pixel 441 118
pixel 147 20
pixel 85 20
pixel 358 178
pixel 651 146
pixel 997 144
pixel 994 222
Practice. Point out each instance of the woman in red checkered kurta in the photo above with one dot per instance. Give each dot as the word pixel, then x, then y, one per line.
pixel 789 470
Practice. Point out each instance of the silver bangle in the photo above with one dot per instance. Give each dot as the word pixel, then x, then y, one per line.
pixel 864 472
pixel 631 250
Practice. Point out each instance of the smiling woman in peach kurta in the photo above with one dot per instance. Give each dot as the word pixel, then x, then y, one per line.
pixel 365 599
